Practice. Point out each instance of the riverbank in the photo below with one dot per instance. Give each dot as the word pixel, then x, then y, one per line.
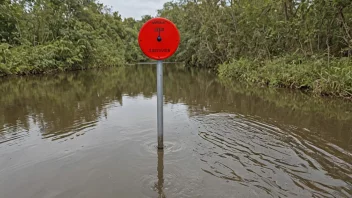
pixel 320 76
pixel 46 37
pixel 57 56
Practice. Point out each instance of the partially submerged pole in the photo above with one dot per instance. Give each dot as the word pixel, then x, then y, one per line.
pixel 160 105
pixel 159 39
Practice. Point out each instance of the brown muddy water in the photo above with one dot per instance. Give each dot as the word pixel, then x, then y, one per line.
pixel 92 134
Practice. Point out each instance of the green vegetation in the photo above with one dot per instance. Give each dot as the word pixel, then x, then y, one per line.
pixel 47 35
pixel 286 43
pixel 282 43
pixel 313 75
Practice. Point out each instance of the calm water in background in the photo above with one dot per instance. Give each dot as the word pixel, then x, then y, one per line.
pixel 93 134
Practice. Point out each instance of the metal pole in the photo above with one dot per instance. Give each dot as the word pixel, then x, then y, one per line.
pixel 160 104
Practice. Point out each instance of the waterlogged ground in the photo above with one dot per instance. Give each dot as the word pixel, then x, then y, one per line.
pixel 93 134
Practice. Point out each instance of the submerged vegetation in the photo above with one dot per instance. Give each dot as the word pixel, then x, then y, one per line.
pixel 287 43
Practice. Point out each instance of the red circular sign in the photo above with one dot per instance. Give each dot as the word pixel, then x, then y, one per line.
pixel 159 38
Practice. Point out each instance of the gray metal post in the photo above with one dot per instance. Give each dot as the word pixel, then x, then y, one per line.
pixel 160 104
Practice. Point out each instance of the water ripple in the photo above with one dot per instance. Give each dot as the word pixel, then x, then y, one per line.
pixel 12 135
pixel 78 128
pixel 275 161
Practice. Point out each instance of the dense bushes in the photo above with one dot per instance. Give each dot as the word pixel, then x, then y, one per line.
pixel 45 35
pixel 216 31
pixel 307 74
pixel 313 37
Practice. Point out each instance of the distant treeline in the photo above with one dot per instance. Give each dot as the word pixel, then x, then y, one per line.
pixel 216 31
pixel 303 44
pixel 47 35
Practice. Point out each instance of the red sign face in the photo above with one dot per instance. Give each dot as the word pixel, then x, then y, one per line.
pixel 159 38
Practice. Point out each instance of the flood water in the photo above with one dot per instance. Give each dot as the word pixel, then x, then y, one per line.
pixel 93 134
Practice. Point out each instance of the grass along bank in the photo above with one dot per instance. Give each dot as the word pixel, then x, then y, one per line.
pixel 319 76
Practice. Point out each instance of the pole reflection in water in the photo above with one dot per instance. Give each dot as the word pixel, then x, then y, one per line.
pixel 160 184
